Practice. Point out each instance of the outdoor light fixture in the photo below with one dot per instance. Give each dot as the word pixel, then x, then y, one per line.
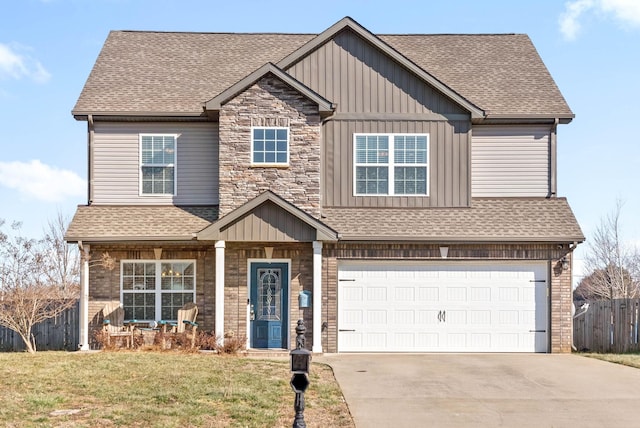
pixel 565 263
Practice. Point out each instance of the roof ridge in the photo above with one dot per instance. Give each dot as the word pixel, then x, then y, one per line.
pixel 275 33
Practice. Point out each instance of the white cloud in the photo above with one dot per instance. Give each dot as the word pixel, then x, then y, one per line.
pixel 569 24
pixel 15 64
pixel 42 182
pixel 624 12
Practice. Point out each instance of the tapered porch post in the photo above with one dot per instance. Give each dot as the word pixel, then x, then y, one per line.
pixel 317 297
pixel 219 314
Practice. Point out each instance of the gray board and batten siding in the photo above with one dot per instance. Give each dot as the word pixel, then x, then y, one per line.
pixel 511 161
pixel 116 167
pixel 381 96
pixel 359 78
pixel 268 223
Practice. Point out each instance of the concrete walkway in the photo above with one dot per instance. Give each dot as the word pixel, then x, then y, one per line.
pixel 486 390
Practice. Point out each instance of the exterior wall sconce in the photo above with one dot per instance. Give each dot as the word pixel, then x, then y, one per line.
pixel 565 263
pixel 268 252
pixel 444 252
pixel 157 252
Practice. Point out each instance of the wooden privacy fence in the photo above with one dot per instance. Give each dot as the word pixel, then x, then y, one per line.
pixel 608 326
pixel 55 334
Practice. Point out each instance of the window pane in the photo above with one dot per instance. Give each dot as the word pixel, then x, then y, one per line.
pixel 270 134
pixel 410 149
pixel 157 180
pixel 270 145
pixel 171 302
pixel 372 180
pixel 139 306
pixel 410 181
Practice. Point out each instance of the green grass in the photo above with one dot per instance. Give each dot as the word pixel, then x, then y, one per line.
pixel 632 360
pixel 160 389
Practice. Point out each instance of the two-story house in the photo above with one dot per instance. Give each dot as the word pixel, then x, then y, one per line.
pixel 398 192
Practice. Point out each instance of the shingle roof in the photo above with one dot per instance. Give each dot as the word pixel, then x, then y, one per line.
pixel 138 223
pixel 503 219
pixel 156 72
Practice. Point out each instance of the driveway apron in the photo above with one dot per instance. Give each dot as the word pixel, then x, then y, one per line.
pixel 486 390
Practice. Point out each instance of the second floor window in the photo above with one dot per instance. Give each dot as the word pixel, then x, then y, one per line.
pixel 391 164
pixel 270 146
pixel 157 164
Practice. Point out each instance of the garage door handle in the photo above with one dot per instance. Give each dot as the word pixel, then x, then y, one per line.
pixel 440 316
pixel 444 316
pixel 537 331
pixel 342 329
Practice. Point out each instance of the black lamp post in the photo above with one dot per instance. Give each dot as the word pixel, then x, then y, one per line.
pixel 300 363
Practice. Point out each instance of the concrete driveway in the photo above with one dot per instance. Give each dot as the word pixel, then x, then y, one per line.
pixel 486 390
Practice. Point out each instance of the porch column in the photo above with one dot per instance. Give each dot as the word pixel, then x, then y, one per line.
pixel 317 297
pixel 219 315
pixel 84 299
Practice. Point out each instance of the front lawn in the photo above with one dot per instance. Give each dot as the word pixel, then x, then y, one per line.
pixel 632 360
pixel 160 389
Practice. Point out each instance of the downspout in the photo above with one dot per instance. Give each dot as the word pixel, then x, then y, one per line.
pixel 90 156
pixel 553 160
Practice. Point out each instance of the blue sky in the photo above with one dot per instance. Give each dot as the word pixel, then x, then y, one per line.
pixel 47 49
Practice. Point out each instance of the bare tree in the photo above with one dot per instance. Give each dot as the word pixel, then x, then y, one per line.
pixel 33 287
pixel 62 259
pixel 612 262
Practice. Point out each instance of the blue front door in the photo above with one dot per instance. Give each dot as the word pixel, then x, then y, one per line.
pixel 269 304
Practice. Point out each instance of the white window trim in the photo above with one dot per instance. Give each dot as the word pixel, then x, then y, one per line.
pixel 391 164
pixel 158 290
pixel 271 164
pixel 173 165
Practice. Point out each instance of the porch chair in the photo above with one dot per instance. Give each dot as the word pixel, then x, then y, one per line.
pixel 186 323
pixel 113 324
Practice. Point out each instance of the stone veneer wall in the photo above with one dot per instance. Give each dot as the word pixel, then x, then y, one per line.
pixel 561 324
pixel 270 102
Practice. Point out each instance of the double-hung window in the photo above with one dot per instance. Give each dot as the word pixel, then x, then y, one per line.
pixel 155 290
pixel 270 146
pixel 157 164
pixel 391 164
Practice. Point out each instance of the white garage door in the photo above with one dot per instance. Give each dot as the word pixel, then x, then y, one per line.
pixel 444 307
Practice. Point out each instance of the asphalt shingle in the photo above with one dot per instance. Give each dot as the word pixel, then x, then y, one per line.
pixel 488 219
pixel 168 72
pixel 118 223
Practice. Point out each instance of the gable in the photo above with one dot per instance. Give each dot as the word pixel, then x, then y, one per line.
pixel 268 217
pixel 377 83
pixel 268 222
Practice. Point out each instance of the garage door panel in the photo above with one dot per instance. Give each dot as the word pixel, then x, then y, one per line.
pixel 428 294
pixel 447 307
